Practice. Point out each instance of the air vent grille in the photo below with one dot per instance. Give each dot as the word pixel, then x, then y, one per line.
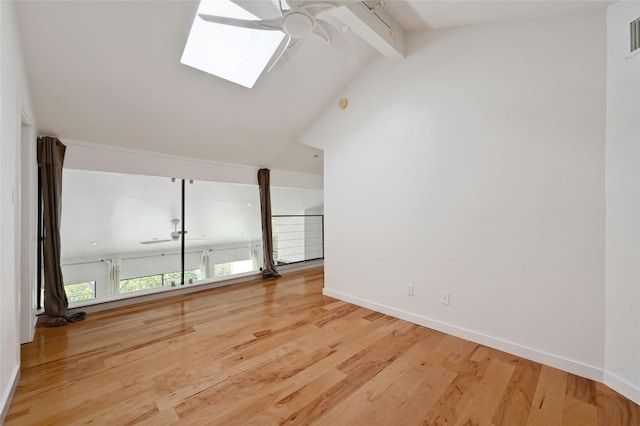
pixel 634 35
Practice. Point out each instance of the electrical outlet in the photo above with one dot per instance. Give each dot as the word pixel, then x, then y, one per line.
pixel 444 297
pixel 409 289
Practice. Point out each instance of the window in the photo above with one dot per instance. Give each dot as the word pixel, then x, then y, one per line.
pixel 172 278
pixel 80 291
pixel 169 279
pixel 175 277
pixel 77 291
pixel 235 54
pixel 241 266
pixel 192 275
pixel 141 283
pixel 232 268
pixel 223 269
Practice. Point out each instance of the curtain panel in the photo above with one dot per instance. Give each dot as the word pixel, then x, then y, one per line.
pixel 206 268
pixel 269 271
pixel 51 159
pixel 113 276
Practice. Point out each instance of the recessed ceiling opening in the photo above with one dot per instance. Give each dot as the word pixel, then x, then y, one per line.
pixel 233 53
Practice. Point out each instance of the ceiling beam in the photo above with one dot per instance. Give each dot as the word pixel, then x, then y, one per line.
pixel 374 26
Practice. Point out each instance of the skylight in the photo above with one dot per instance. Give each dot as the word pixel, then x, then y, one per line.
pixel 235 54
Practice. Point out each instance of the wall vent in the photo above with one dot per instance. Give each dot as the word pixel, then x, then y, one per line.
pixel 634 35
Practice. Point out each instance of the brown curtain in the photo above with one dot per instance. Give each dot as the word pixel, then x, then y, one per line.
pixel 50 159
pixel 269 272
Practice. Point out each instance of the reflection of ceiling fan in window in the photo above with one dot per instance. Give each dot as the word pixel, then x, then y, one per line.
pixel 175 235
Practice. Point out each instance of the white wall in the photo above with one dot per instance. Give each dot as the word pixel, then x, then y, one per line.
pixel 28 228
pixel 14 101
pixel 622 356
pixel 476 166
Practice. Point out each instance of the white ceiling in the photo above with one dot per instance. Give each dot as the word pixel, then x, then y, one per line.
pixel 422 15
pixel 109 72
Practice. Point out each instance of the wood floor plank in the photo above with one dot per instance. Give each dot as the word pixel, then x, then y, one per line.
pixel 279 352
pixel 614 409
pixel 548 402
pixel 385 406
pixel 269 410
pixel 470 372
pixel 581 389
pixel 435 382
pixel 161 418
pixel 480 409
pixel 579 413
pixel 359 369
pixel 353 406
pixel 518 399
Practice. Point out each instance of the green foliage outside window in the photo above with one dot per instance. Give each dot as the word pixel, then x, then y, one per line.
pixel 223 269
pixel 154 281
pixel 80 291
pixel 170 277
pixel 193 275
pixel 87 290
pixel 140 283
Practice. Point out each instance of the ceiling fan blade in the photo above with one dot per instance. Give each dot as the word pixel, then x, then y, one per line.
pixel 337 40
pixel 294 4
pixel 260 9
pixel 319 7
pixel 287 43
pixel 291 50
pixel 267 24
pixel 281 5
pixel 154 241
pixel 320 29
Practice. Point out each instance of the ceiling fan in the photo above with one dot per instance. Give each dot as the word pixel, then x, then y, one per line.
pixel 175 235
pixel 298 19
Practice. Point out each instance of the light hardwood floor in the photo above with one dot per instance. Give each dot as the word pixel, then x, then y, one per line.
pixel 281 353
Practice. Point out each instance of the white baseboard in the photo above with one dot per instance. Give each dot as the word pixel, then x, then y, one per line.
pixel 571 366
pixel 7 395
pixel 622 387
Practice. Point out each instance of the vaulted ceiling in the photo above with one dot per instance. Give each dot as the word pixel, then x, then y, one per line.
pixel 109 72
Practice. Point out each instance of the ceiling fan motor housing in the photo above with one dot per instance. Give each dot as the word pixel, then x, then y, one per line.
pixel 297 24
